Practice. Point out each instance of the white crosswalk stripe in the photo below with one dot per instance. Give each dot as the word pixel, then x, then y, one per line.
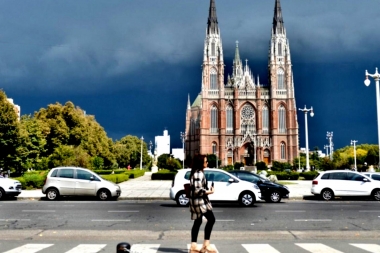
pixel 29 248
pixel 144 248
pixel 262 248
pixel 317 248
pixel 87 248
pixel 374 248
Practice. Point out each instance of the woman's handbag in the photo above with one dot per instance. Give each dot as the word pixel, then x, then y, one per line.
pixel 187 190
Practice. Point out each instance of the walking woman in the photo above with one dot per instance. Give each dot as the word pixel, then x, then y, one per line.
pixel 200 205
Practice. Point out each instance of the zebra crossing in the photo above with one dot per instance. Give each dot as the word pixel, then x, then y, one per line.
pixel 153 248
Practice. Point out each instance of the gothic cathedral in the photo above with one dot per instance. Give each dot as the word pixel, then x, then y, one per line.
pixel 244 120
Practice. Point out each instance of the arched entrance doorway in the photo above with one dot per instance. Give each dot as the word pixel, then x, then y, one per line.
pixel 267 156
pixel 248 154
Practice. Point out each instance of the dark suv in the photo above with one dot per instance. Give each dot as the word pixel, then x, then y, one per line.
pixel 270 191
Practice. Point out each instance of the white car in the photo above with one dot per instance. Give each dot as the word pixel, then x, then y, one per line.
pixel 73 181
pixel 333 183
pixel 227 188
pixel 9 187
pixel 372 175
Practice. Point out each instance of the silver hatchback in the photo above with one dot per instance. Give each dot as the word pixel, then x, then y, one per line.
pixel 74 181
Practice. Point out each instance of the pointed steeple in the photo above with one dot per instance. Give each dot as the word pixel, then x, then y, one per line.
pixel 237 55
pixel 212 23
pixel 188 102
pixel 278 22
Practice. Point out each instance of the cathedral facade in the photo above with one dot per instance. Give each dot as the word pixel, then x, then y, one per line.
pixel 243 120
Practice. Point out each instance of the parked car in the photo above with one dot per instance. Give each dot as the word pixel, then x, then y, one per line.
pixel 227 188
pixel 9 187
pixel 373 175
pixel 270 191
pixel 344 183
pixel 73 181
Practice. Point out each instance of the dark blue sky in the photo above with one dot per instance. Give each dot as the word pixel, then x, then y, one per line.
pixel 133 63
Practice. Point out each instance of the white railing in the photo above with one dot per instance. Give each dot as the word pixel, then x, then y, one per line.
pixel 213 93
pixel 247 94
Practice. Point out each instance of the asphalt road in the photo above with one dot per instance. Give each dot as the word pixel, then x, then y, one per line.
pixel 66 224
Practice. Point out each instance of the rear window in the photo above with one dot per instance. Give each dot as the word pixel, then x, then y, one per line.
pixel 376 177
pixel 338 176
pixel 187 175
pixel 54 173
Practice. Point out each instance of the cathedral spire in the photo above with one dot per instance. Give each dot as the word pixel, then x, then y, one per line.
pixel 212 23
pixel 278 22
pixel 237 55
pixel 188 102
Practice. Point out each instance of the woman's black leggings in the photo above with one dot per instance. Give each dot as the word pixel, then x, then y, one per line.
pixel 197 224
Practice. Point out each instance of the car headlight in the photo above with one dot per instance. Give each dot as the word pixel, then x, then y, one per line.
pixel 256 187
pixel 286 187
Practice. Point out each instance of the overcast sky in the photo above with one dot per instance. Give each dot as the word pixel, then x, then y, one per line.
pixel 132 63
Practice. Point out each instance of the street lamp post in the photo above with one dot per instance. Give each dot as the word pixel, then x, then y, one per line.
pixel 141 154
pixel 331 144
pixel 375 76
pixel 353 143
pixel 305 110
pixel 183 138
pixel 327 149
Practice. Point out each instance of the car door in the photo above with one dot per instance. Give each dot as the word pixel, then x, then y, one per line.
pixel 85 183
pixel 65 181
pixel 224 190
pixel 337 182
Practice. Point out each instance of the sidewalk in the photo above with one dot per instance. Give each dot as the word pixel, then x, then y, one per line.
pixel 143 188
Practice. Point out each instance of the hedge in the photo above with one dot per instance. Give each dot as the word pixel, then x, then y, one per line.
pixel 309 175
pixel 32 180
pixel 284 175
pixel 108 172
pixel 135 173
pixel 116 178
pixel 164 175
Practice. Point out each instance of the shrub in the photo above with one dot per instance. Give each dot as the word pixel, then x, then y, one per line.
pixel 163 175
pixel 284 175
pixel 116 178
pixel 135 173
pixel 309 175
pixel 238 165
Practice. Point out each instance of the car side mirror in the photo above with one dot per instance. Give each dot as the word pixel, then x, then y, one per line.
pixel 92 178
pixel 366 180
pixel 231 180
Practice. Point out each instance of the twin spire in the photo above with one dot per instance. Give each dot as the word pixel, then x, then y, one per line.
pixel 212 23
pixel 278 22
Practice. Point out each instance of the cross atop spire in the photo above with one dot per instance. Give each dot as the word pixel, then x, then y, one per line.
pixel 212 23
pixel 278 22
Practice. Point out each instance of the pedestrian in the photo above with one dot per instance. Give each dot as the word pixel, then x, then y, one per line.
pixel 200 205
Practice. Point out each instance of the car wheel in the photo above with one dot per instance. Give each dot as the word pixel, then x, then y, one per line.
pixel 376 194
pixel 181 199
pixel 52 194
pixel 327 194
pixel 104 194
pixel 274 197
pixel 247 198
pixel 2 194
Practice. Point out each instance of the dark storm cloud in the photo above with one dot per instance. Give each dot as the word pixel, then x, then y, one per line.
pixel 132 63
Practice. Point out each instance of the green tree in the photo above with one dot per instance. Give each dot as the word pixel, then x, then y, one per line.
pixel 69 125
pixel 32 146
pixel 128 152
pixel 162 160
pixel 9 134
pixel 70 156
pixel 97 163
